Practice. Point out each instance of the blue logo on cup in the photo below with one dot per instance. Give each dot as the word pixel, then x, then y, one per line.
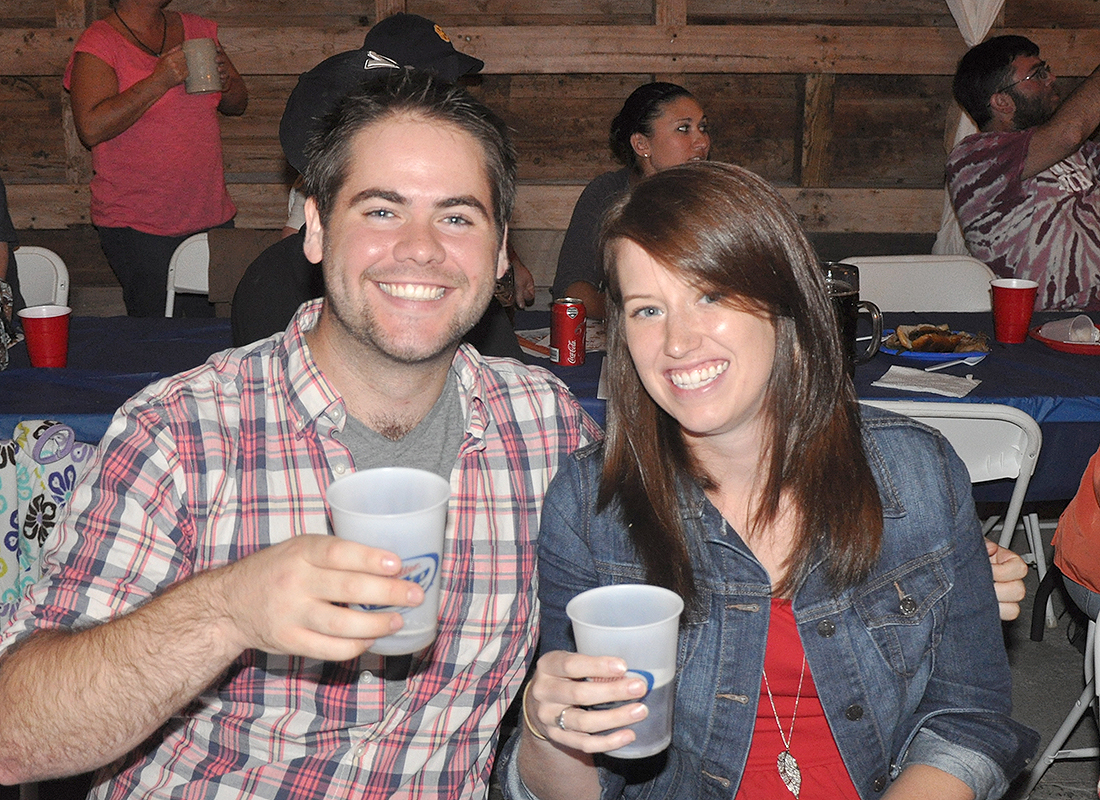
pixel 421 570
pixel 645 676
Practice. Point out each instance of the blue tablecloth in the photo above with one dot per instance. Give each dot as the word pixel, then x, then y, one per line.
pixel 110 360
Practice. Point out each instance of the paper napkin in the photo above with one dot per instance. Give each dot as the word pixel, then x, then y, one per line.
pixel 917 380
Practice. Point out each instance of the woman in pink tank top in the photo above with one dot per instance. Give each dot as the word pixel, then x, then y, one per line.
pixel 156 150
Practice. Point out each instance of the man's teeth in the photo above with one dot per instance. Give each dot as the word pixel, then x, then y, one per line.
pixel 412 291
pixel 698 377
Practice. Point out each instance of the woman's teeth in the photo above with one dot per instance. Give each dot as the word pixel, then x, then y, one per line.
pixel 698 377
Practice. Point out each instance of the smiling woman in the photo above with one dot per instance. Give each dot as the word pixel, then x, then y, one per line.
pixel 840 633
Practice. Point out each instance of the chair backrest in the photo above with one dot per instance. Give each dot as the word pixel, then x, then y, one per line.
pixel 994 441
pixel 43 276
pixel 188 270
pixel 924 282
pixel 38 467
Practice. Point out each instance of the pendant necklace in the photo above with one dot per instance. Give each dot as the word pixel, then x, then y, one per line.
pixel 141 44
pixel 787 766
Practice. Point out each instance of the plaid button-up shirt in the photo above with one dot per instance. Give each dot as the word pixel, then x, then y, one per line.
pixel 204 468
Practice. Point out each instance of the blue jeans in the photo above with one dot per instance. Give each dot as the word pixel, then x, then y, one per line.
pixel 1085 599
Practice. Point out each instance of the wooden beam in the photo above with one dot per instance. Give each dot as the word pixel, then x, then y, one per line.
pixel 670 13
pixel 73 13
pixel 866 210
pixel 817 128
pixel 594 49
pixel 539 207
pixel 387 8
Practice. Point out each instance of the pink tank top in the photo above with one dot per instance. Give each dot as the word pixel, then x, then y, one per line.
pixel 164 174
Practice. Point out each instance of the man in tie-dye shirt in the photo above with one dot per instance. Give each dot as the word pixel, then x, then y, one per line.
pixel 1025 187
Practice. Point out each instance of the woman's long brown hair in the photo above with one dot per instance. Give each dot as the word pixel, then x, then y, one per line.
pixel 727 231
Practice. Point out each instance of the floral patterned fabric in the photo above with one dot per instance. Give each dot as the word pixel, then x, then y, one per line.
pixel 39 466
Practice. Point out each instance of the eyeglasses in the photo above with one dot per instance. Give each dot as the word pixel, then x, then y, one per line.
pixel 1040 73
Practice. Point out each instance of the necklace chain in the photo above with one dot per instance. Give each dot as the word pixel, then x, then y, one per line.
pixel 798 696
pixel 141 44
pixel 786 763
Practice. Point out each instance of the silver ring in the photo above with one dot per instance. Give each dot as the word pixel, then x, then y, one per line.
pixel 561 718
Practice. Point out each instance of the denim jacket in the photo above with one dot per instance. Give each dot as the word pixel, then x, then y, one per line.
pixel 910 665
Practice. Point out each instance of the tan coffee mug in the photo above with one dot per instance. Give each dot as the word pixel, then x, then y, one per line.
pixel 202 66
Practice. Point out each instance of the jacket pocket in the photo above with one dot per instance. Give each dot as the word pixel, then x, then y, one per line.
pixel 902 611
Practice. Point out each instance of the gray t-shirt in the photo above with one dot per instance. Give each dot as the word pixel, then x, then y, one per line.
pixel 432 445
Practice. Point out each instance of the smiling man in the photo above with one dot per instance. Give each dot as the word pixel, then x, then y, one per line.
pixel 1025 187
pixel 192 634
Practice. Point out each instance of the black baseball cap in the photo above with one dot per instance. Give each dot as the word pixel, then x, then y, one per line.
pixel 403 40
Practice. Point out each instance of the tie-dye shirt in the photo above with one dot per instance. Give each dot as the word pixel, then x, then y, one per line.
pixel 1046 228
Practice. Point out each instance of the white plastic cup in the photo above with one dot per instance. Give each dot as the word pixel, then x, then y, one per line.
pixel 404 511
pixel 639 624
pixel 202 66
pixel 1071 329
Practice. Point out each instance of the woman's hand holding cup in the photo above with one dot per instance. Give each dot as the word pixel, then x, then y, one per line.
pixel 564 701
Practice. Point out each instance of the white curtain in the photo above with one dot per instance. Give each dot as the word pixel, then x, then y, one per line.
pixel 974 18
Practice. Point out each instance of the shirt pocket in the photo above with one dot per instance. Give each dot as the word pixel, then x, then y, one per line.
pixel 903 613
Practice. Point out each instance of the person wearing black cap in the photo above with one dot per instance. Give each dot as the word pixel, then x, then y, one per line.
pixel 403 40
pixel 281 278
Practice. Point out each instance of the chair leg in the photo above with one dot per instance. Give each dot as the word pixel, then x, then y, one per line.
pixel 1054 750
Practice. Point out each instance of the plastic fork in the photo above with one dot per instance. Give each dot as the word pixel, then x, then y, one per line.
pixel 969 361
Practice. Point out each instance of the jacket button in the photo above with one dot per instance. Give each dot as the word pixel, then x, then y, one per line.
pixel 854 712
pixel 879 784
pixel 826 628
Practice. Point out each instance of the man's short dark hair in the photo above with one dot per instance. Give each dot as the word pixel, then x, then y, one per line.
pixel 984 69
pixel 419 94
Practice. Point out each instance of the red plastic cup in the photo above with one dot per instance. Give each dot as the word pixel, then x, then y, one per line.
pixel 1013 302
pixel 46 329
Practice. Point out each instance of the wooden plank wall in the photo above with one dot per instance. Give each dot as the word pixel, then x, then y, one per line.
pixel 842 103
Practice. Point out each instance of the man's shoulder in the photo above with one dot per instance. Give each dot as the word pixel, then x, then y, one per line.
pixel 515 389
pixel 221 379
pixel 989 144
pixel 506 375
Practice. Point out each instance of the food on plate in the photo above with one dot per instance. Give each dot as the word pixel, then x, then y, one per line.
pixel 928 338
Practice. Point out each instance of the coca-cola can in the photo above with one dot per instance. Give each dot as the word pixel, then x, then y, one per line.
pixel 567 332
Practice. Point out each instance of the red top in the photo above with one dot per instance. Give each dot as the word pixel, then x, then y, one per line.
pixel 1077 540
pixel 824 776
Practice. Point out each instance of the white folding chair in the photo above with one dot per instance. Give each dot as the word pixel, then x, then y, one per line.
pixel 188 270
pixel 43 276
pixel 1054 751
pixel 995 442
pixel 924 282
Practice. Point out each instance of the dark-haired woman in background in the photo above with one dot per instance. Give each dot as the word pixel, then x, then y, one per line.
pixel 840 639
pixel 660 125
